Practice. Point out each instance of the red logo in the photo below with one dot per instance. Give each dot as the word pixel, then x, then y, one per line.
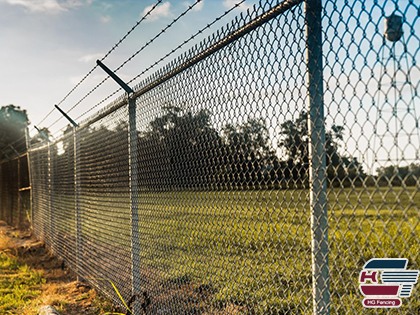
pixel 384 281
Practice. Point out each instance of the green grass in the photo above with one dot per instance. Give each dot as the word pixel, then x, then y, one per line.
pixel 26 285
pixel 19 285
pixel 252 249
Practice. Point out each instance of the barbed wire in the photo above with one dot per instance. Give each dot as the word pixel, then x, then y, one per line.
pixel 137 52
pixel 208 26
pixel 114 47
pixel 187 40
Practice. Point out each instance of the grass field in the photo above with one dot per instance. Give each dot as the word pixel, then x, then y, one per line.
pixel 254 248
pixel 249 252
pixel 19 285
pixel 31 277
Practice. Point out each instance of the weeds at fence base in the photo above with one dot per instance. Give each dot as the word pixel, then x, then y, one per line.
pixel 32 277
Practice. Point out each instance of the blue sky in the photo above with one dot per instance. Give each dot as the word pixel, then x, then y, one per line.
pixel 49 45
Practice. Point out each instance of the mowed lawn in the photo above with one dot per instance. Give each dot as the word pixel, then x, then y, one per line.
pixel 252 249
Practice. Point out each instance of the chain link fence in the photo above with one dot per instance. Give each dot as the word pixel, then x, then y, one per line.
pixel 15 193
pixel 255 174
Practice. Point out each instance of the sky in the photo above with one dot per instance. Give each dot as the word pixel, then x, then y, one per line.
pixel 47 46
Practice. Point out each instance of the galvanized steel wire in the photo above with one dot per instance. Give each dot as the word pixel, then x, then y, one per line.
pixel 255 174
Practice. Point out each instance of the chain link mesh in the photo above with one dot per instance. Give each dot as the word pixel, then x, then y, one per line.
pixel 230 183
pixel 213 217
pixel 372 87
pixel 105 243
pixel 9 192
pixel 15 192
pixel 63 199
pixel 40 191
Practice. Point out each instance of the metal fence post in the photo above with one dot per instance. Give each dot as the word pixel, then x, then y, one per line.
pixel 28 148
pixel 19 199
pixel 49 229
pixel 134 198
pixel 317 161
pixel 76 144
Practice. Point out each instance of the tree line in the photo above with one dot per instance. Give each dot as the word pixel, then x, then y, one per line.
pixel 189 152
pixel 13 123
pixel 183 150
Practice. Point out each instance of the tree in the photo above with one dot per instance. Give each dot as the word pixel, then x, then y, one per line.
pixel 250 157
pixel 341 170
pixel 42 136
pixel 293 171
pixel 13 122
pixel 398 175
pixel 103 155
pixel 179 150
pixel 295 139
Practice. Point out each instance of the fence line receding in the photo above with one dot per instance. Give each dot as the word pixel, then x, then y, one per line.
pixel 255 174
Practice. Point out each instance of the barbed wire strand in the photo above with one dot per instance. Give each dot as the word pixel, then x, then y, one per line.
pixel 114 47
pixel 136 53
pixel 165 57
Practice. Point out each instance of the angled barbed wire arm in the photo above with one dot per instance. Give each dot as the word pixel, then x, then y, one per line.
pixel 66 116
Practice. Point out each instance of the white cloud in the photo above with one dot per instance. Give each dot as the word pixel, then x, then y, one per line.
pixel 93 78
pixel 231 3
pixel 105 5
pixel 163 10
pixel 105 19
pixel 90 57
pixel 75 79
pixel 198 7
pixel 49 6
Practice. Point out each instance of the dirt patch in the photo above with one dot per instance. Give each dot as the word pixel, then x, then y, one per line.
pixel 60 287
pixel 71 297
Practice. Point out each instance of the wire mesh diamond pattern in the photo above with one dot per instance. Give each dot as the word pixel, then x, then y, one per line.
pixel 255 174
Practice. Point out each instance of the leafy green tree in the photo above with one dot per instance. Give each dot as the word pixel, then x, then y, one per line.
pixel 13 122
pixel 250 157
pixel 179 150
pixel 341 170
pixel 398 175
